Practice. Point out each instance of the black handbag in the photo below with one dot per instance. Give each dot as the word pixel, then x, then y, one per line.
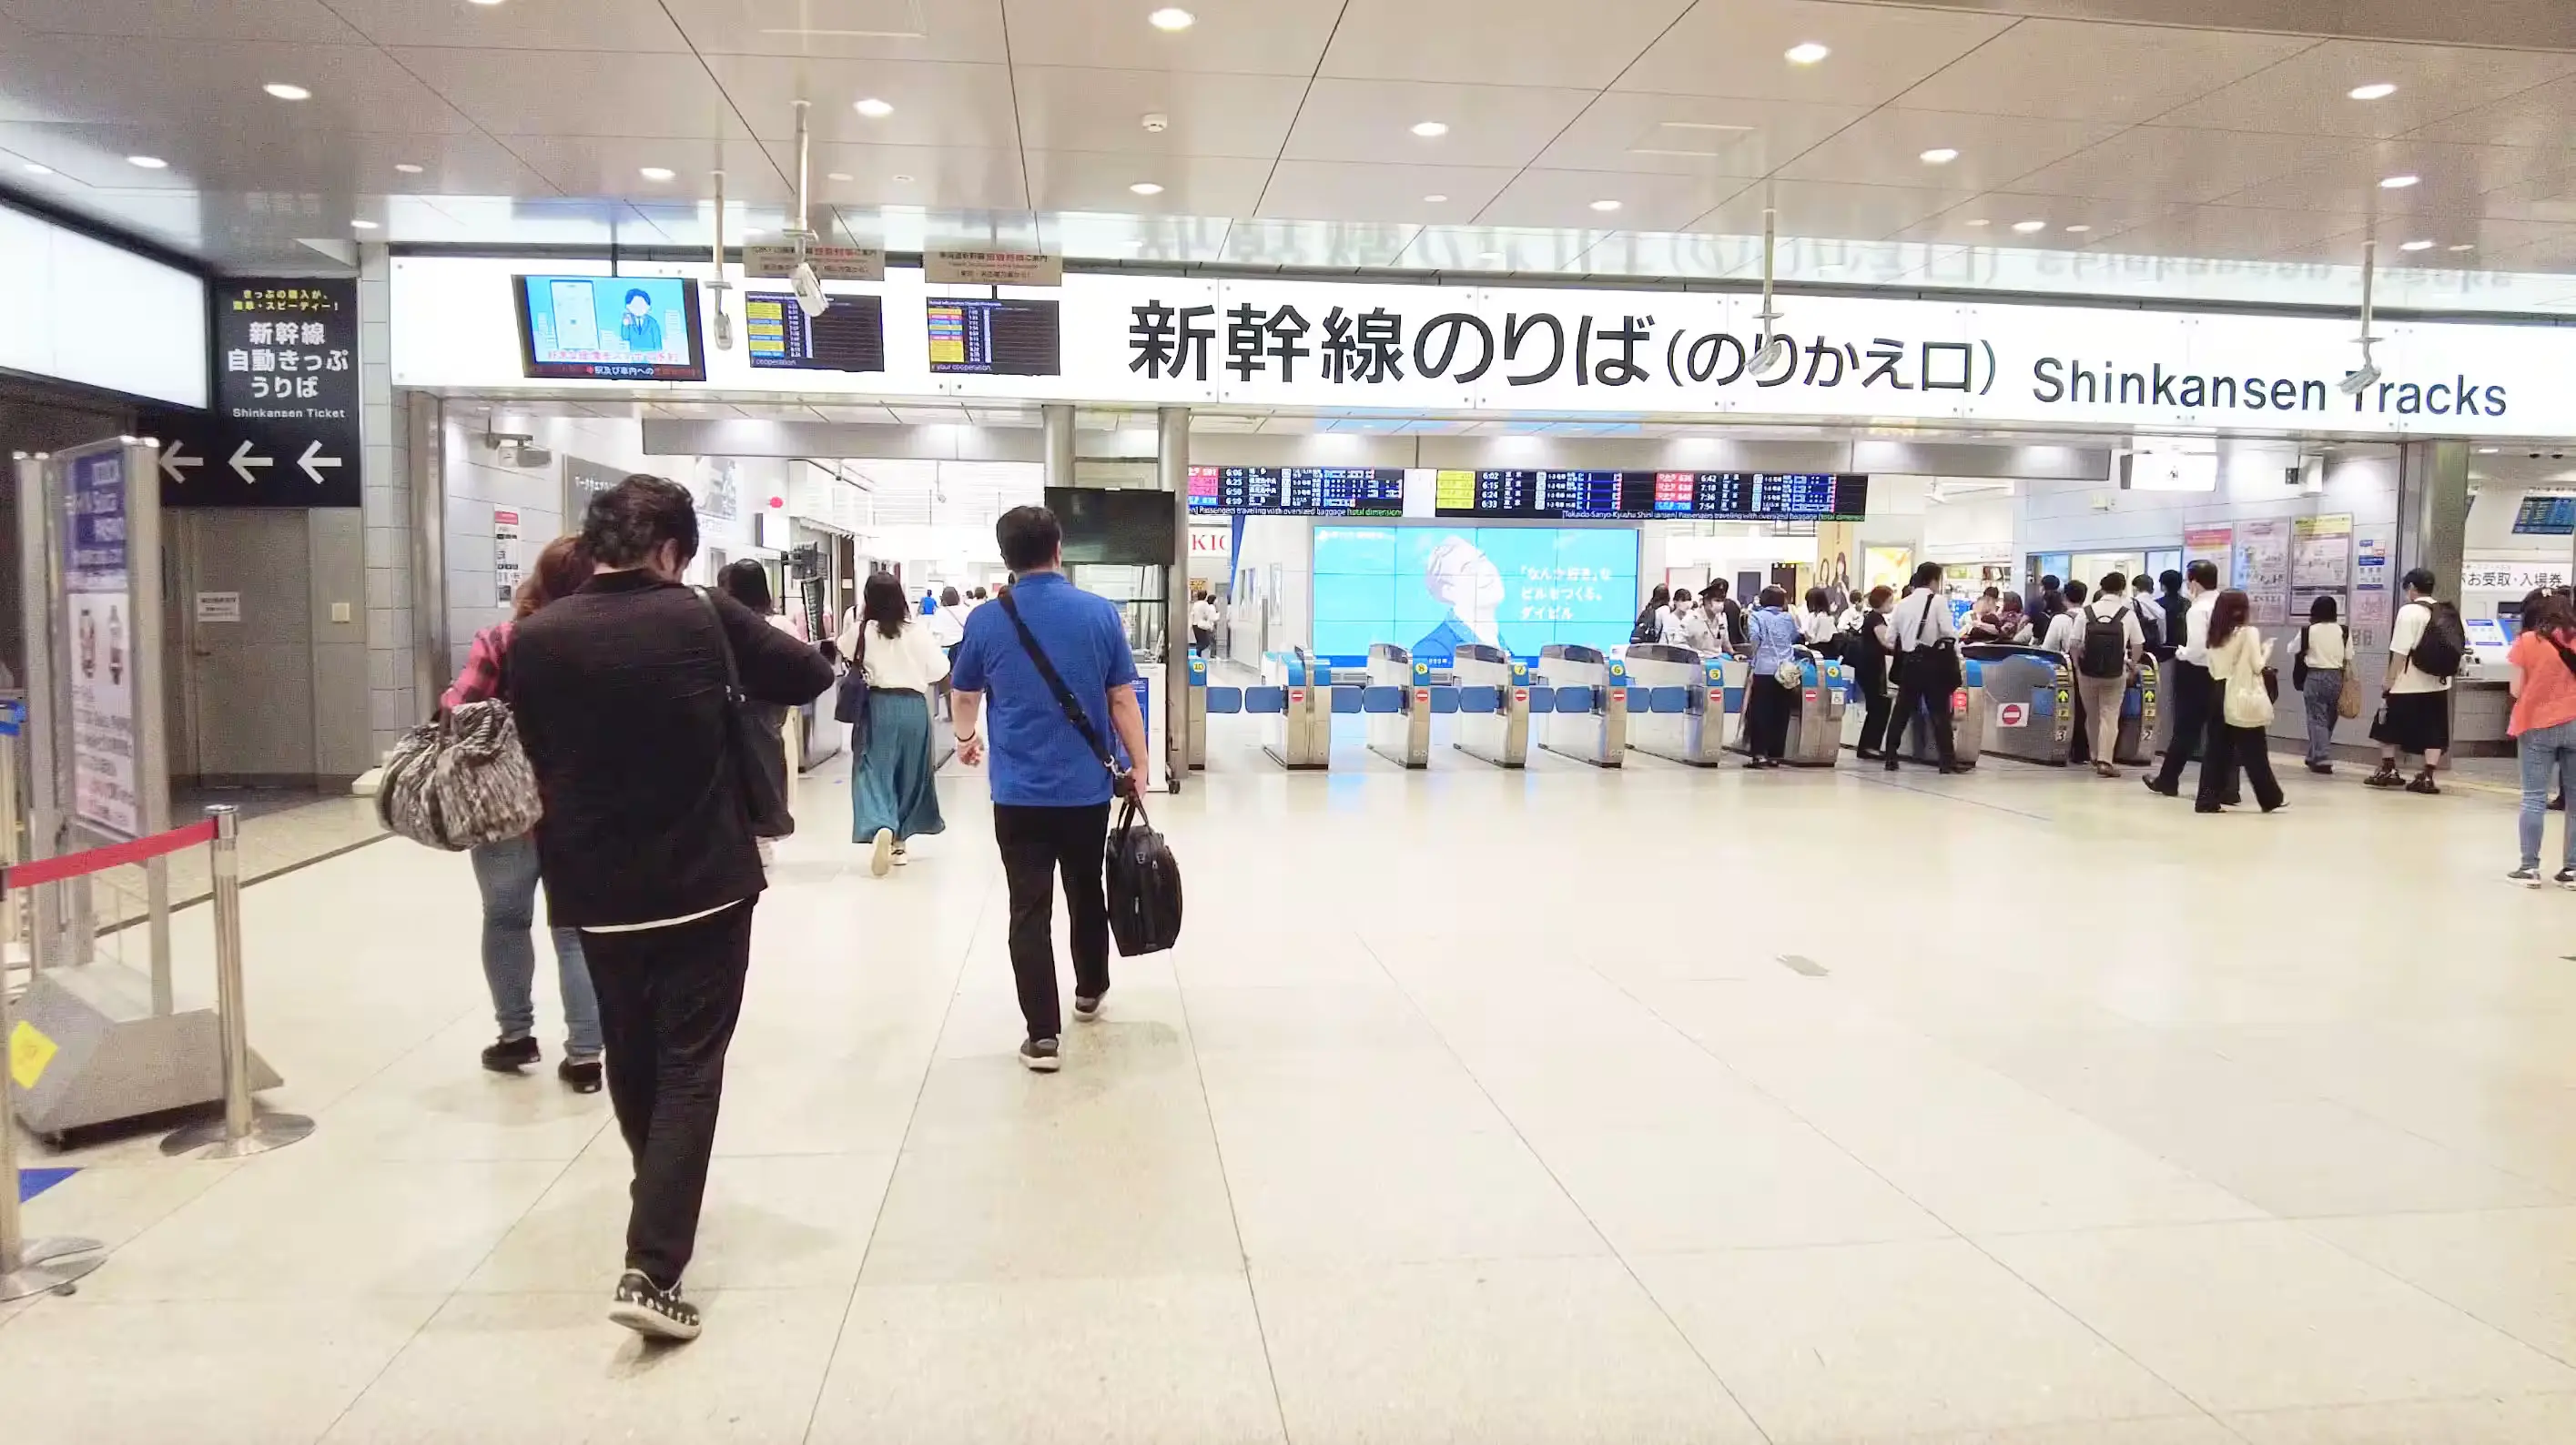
pixel 1143 878
pixel 850 699
pixel 1932 664
pixel 762 796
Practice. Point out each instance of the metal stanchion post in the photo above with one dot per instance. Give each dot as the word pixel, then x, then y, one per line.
pixel 31 1266
pixel 244 1130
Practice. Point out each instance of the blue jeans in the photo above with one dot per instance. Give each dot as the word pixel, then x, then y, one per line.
pixel 2323 696
pixel 507 874
pixel 2547 753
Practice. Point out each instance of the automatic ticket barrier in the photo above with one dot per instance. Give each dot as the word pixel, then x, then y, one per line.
pixel 1302 734
pixel 1398 703
pixel 1816 723
pixel 1500 736
pixel 1194 713
pixel 1677 703
pixel 2029 701
pixel 2141 715
pixel 1589 716
pixel 1967 706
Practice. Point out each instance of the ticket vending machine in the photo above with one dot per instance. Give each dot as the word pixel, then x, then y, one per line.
pixel 1499 736
pixel 1402 734
pixel 1684 717
pixel 1301 734
pixel 2141 714
pixel 1816 723
pixel 2029 701
pixel 1590 719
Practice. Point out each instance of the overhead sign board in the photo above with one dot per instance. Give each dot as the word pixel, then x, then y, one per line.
pixel 283 430
pixel 957 266
pixel 830 263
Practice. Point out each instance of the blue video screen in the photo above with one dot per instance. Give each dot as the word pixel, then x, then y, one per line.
pixel 1427 589
pixel 610 328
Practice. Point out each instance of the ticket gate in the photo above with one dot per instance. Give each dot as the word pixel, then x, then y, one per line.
pixel 2029 703
pixel 1816 723
pixel 1398 704
pixel 1194 714
pixel 1589 717
pixel 1967 722
pixel 1683 716
pixel 2141 715
pixel 1500 736
pixel 1302 734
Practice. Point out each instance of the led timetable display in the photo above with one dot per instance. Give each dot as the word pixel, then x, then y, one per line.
pixel 1617 496
pixel 994 338
pixel 2546 517
pixel 1299 491
pixel 848 336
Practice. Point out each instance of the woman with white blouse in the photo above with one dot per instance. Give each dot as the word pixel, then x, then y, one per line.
pixel 2325 650
pixel 892 796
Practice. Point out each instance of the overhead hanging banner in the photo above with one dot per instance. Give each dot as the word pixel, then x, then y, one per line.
pixel 283 430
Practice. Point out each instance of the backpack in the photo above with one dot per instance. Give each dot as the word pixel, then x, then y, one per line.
pixel 2444 645
pixel 2105 652
pixel 1144 886
pixel 1647 629
pixel 2152 630
pixel 460 780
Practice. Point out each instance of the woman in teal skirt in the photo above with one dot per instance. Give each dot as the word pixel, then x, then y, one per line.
pixel 892 797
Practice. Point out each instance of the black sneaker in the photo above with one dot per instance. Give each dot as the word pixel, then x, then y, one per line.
pixel 2424 783
pixel 1041 1056
pixel 582 1076
pixel 2564 877
pixel 2527 877
pixel 2322 770
pixel 511 1055
pixel 1087 1010
pixel 650 1310
pixel 2386 777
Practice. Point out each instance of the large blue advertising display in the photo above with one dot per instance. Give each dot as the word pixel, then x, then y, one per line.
pixel 1430 588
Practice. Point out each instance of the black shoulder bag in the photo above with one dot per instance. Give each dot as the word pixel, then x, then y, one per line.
pixel 1143 878
pixel 764 795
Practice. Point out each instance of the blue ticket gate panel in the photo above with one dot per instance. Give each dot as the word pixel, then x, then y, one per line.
pixel 1194 713
pixel 1683 714
pixel 2141 715
pixel 1398 704
pixel 1967 706
pixel 2029 703
pixel 1500 736
pixel 1816 723
pixel 1590 716
pixel 1300 735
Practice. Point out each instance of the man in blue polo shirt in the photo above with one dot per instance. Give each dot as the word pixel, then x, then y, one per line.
pixel 1051 794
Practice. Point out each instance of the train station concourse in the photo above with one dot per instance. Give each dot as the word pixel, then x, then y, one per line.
pixel 1842 722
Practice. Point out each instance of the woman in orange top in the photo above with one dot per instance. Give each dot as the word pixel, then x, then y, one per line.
pixel 2544 723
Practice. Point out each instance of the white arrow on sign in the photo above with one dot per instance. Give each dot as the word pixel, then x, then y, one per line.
pixel 175 458
pixel 243 461
pixel 309 461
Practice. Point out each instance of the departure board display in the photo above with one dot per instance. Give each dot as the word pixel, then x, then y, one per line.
pixel 1634 496
pixel 1299 491
pixel 848 336
pixel 2546 517
pixel 993 338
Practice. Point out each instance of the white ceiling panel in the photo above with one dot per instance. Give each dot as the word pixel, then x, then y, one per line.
pixel 1507 42
pixel 2551 198
pixel 217 84
pixel 308 21
pixel 2175 165
pixel 2450 179
pixel 1498 248
pixel 614 165
pixel 935 102
pixel 961 178
pixel 1347 191
pixel 1692 134
pixel 2543 116
pixel 1739 48
pixel 1078 109
pixel 875 29
pixel 2248 232
pixel 1568 199
pixel 2000 211
pixel 2076 70
pixel 1832 209
pixel 577 92
pixel 2310 94
pixel 1489 125
pixel 591 25
pixel 1332 244
pixel 1099 181
pixel 1228 37
pixel 1887 148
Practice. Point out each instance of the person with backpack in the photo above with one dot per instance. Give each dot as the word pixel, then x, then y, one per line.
pixel 2425 649
pixel 2543 662
pixel 2108 642
pixel 2317 669
pixel 1649 626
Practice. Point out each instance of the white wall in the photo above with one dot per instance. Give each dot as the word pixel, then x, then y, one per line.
pixel 1289 543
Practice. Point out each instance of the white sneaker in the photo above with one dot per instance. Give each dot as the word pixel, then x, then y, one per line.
pixel 902 855
pixel 881 859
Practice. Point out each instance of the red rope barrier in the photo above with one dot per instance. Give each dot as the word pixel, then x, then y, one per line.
pixel 114 855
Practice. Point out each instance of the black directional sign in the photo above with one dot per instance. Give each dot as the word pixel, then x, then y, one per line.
pixel 283 431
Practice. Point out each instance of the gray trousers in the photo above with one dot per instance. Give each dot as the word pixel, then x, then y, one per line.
pixel 2102 696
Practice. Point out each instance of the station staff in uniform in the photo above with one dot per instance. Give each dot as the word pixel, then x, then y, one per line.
pixel 1927 666
pixel 2188 689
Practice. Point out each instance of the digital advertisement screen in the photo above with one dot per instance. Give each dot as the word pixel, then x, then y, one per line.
pixel 1299 491
pixel 1645 496
pixel 848 336
pixel 610 328
pixel 993 338
pixel 1427 589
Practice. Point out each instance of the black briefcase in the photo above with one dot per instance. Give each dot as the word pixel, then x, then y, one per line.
pixel 1144 882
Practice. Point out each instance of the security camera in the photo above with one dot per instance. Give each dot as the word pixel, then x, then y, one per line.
pixel 1157 122
pixel 1776 356
pixel 724 327
pixel 2356 382
pixel 809 290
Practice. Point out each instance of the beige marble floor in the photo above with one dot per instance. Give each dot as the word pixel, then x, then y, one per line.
pixel 1476 1107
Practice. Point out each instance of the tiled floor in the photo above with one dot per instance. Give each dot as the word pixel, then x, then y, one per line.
pixel 1477 1107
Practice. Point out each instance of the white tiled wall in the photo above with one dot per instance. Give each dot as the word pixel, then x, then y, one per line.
pixel 385 513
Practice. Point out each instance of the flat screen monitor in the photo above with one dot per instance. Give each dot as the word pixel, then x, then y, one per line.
pixel 2545 517
pixel 610 328
pixel 993 338
pixel 1130 527
pixel 848 336
pixel 1299 491
pixel 1430 588
pixel 1646 496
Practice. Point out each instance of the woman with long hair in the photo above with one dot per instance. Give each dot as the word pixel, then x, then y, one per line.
pixel 506 872
pixel 1649 626
pixel 747 582
pixel 2238 739
pixel 2325 648
pixel 2543 660
pixel 892 797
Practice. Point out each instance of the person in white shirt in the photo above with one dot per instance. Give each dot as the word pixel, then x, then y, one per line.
pixel 1817 625
pixel 892 797
pixel 2235 656
pixel 2066 631
pixel 1673 624
pixel 2102 667
pixel 2151 618
pixel 1203 623
pixel 1927 667
pixel 2324 649
pixel 2414 702
pixel 2187 685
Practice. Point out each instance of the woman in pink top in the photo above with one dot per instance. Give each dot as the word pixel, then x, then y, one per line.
pixel 2544 723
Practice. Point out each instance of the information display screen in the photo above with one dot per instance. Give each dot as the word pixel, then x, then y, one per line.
pixel 2546 517
pixel 848 336
pixel 1299 491
pixel 1613 496
pixel 1429 588
pixel 994 338
pixel 610 328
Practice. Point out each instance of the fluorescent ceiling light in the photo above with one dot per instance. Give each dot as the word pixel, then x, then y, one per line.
pixel 2078 230
pixel 2489 451
pixel 2463 246
pixel 655 173
pixel 2026 227
pixel 1435 198
pixel 1979 221
pixel 407 168
pixel 2415 246
pixel 1171 17
pixel 363 225
pixel 1605 205
pixel 35 169
pixel 284 91
pixel 1430 129
pixel 873 108
pixel 149 163
pixel 837 176
pixel 1146 188
pixel 2376 90
pixel 1939 156
pixel 2398 183
pixel 1806 53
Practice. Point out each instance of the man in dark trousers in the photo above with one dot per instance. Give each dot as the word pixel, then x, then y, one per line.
pixel 646 847
pixel 1927 669
pixel 2187 685
pixel 1051 792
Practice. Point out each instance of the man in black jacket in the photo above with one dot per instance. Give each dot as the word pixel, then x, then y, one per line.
pixel 647 848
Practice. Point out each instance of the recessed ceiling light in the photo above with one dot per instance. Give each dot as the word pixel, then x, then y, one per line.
pixel 656 173
pixel 2078 230
pixel 487 2
pixel 1806 53
pixel 1171 17
pixel 149 163
pixel 363 225
pixel 1146 188
pixel 2463 246
pixel 2376 90
pixel 1939 156
pixel 1430 129
pixel 407 168
pixel 34 169
pixel 873 108
pixel 1435 198
pixel 2026 227
pixel 902 179
pixel 284 91
pixel 1605 205
pixel 2489 451
pixel 2415 246
pixel 1979 221
pixel 2398 183
pixel 1489 256
pixel 837 176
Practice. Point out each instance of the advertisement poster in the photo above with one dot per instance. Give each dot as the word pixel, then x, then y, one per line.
pixel 1837 562
pixel 2371 610
pixel 2321 562
pixel 105 793
pixel 1427 589
pixel 2263 569
pixel 505 554
pixel 2214 545
pixel 1888 567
